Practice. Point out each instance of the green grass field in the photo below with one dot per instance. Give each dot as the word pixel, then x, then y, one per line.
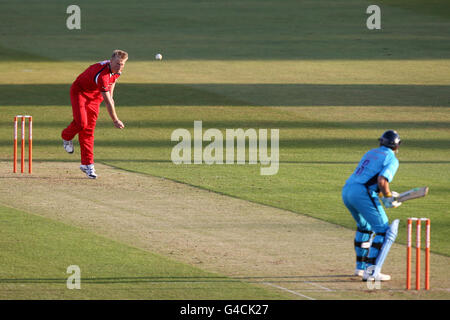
pixel 308 68
pixel 38 256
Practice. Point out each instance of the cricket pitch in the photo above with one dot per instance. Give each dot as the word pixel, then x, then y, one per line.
pixel 283 250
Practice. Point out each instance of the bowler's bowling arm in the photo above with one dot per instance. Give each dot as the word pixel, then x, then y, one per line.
pixel 112 90
pixel 109 102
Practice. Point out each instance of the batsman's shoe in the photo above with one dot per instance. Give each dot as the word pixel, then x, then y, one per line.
pixel 89 170
pixel 68 146
pixel 359 272
pixel 379 277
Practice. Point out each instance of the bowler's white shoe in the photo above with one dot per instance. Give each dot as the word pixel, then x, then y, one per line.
pixel 89 170
pixel 68 146
pixel 379 277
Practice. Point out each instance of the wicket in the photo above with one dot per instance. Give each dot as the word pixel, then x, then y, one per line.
pixel 30 144
pixel 418 245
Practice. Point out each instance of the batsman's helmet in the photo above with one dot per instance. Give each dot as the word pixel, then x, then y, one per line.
pixel 390 139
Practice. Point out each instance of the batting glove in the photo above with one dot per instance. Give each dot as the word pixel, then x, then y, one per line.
pixel 391 202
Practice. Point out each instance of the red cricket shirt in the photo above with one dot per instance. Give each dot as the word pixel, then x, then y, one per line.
pixel 95 79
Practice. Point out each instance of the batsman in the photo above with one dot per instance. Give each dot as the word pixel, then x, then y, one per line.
pixel 371 179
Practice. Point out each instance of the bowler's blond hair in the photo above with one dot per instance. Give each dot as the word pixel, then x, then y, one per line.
pixel 119 54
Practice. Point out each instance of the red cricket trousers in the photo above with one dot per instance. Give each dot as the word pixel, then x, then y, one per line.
pixel 85 113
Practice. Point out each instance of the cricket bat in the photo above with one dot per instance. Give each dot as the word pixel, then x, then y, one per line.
pixel 412 194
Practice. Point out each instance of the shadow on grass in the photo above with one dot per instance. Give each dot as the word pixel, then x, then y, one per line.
pixel 169 124
pixel 227 29
pixel 132 95
pixel 108 161
pixel 284 143
pixel 218 279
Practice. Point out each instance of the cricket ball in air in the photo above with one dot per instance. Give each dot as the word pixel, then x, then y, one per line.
pixel 158 56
